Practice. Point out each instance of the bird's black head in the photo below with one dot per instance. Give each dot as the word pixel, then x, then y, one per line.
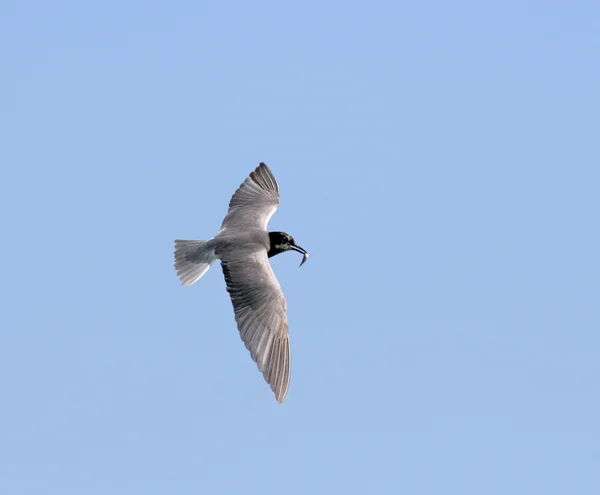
pixel 280 242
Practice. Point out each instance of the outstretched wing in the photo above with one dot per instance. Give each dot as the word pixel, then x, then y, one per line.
pixel 261 316
pixel 255 201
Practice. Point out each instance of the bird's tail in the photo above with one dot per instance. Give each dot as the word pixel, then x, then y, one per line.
pixel 193 259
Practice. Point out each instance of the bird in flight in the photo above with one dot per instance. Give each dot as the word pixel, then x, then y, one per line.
pixel 244 247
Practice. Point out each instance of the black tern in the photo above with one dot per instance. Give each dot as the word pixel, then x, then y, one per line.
pixel 244 247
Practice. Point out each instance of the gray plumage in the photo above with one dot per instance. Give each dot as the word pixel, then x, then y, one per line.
pixel 243 245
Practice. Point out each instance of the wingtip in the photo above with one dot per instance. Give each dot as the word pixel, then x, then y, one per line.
pixel 280 396
pixel 264 166
pixel 264 176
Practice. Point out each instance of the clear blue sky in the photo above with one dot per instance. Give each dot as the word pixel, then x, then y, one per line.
pixel 439 160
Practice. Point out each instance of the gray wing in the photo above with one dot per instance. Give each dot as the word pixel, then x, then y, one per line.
pixel 261 316
pixel 255 201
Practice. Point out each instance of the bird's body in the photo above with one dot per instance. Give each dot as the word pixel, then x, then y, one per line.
pixel 244 245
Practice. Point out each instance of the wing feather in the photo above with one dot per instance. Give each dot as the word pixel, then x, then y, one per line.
pixel 261 315
pixel 254 202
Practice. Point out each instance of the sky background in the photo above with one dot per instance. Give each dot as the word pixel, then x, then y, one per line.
pixel 439 160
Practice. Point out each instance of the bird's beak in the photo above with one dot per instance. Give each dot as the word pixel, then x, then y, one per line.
pixel 300 250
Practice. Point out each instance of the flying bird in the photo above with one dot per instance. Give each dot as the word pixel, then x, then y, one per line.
pixel 244 247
